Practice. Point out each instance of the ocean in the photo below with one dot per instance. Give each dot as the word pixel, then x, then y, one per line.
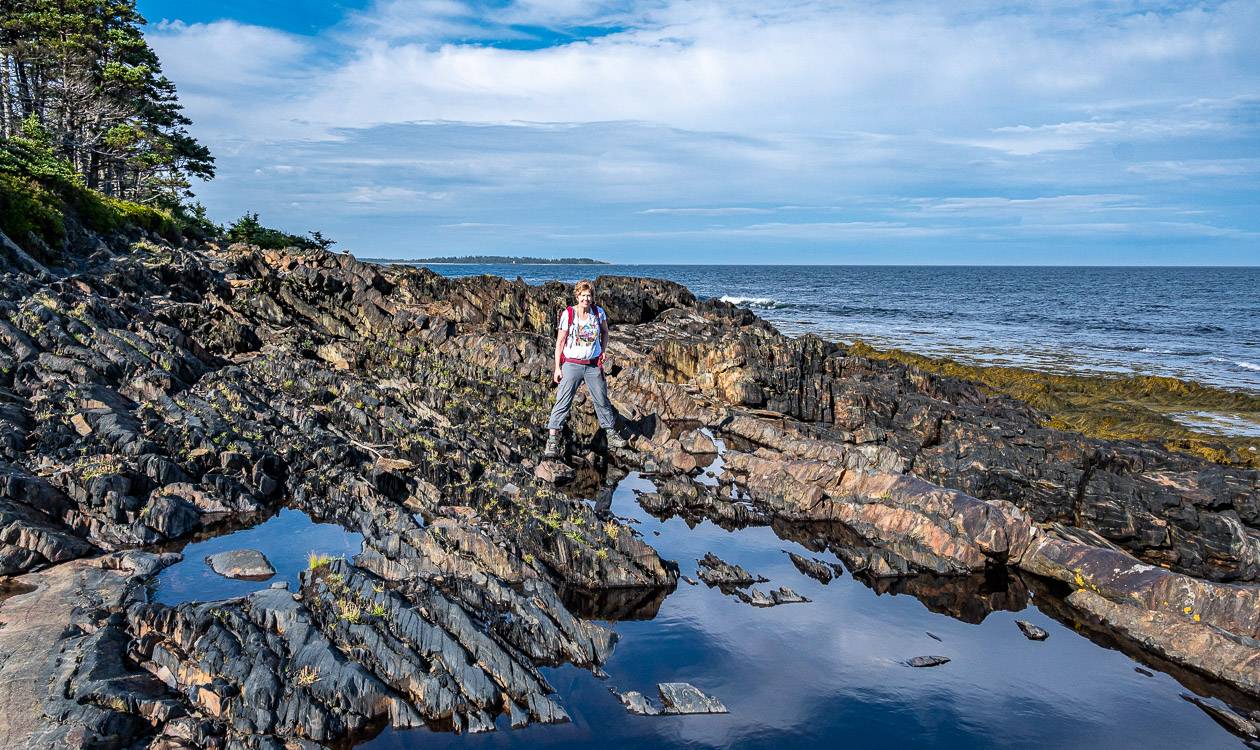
pixel 1200 324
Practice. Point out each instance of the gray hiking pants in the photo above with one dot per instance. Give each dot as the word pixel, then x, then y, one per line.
pixel 571 375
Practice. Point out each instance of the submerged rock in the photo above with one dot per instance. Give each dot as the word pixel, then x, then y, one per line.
pixel 1032 632
pixel 927 661
pixel 241 563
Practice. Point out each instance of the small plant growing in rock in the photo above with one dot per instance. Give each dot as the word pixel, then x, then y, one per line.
pixel 349 611
pixel 612 529
pixel 316 560
pixel 307 676
pixel 378 610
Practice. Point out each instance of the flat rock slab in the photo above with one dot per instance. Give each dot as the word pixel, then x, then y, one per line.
pixel 927 661
pixel 685 698
pixel 241 563
pixel 1032 632
pixel 553 472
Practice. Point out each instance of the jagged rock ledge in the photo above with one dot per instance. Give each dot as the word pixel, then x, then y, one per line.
pixel 153 392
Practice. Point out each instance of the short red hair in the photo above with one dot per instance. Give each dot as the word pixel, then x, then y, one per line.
pixel 584 286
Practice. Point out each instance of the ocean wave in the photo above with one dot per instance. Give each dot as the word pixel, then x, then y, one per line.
pixel 766 302
pixel 1239 363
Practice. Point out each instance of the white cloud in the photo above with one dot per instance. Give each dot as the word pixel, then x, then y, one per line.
pixel 1181 169
pixel 795 67
pixel 390 195
pixel 865 122
pixel 720 211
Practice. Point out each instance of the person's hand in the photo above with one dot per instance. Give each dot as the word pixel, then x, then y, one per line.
pixel 557 375
pixel 605 362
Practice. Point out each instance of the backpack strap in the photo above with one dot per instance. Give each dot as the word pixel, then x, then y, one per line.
pixel 569 312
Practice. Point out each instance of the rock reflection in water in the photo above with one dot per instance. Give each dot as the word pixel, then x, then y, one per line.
pixel 803 676
pixel 614 605
pixel 967 598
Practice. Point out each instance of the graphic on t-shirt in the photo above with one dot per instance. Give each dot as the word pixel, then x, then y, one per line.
pixel 583 335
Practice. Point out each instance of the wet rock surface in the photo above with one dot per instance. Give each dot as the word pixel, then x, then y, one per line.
pixel 715 572
pixel 155 392
pixel 1032 632
pixel 927 661
pixel 685 698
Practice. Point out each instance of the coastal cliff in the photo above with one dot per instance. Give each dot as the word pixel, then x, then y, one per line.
pixel 150 391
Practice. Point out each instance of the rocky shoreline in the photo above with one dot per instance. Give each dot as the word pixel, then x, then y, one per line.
pixel 151 392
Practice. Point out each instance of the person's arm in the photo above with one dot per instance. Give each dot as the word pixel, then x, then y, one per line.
pixel 604 360
pixel 558 371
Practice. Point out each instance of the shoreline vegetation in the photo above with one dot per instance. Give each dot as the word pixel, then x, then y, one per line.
pixel 1119 407
pixel 491 260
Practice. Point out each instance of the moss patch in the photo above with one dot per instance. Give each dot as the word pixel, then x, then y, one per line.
pixel 1132 407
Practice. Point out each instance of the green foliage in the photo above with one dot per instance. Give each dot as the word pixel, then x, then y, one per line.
pixel 249 230
pixel 38 189
pixel 29 209
pixel 316 560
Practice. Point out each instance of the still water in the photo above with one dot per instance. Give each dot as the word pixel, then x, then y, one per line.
pixel 824 673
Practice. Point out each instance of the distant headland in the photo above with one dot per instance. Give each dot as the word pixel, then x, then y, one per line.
pixel 498 259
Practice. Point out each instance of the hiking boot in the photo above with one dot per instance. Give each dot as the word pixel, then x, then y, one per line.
pixel 553 447
pixel 614 440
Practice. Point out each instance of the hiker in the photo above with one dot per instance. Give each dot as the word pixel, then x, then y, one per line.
pixel 580 355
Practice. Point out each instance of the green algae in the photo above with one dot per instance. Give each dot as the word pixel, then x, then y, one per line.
pixel 1125 407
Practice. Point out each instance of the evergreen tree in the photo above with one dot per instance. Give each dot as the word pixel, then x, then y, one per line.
pixel 83 70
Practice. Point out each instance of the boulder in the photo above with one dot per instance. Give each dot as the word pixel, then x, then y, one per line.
pixel 241 563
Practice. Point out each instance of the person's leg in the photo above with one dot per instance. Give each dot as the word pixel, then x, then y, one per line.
pixel 570 377
pixel 599 396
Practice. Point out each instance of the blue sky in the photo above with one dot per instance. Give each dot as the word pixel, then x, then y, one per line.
pixel 685 131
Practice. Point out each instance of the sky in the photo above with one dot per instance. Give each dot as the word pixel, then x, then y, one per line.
pixel 1078 132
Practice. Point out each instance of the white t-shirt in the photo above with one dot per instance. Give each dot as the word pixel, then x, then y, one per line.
pixel 583 339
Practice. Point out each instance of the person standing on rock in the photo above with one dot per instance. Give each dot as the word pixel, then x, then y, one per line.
pixel 580 356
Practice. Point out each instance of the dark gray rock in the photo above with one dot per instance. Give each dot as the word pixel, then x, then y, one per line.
pixel 171 516
pixel 927 661
pixel 785 595
pixel 1226 717
pixel 1032 632
pixel 716 572
pixel 816 569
